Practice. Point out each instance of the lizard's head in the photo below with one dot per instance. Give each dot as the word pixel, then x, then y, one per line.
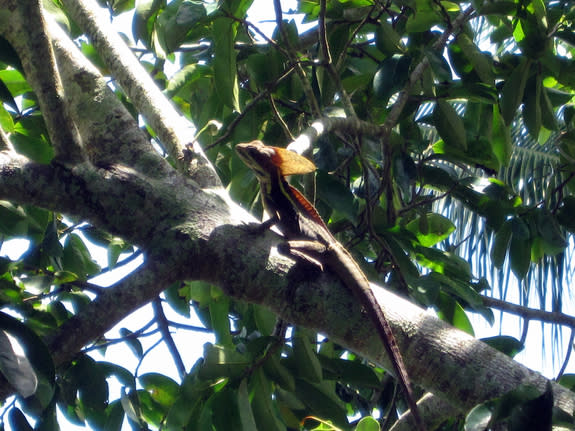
pixel 265 160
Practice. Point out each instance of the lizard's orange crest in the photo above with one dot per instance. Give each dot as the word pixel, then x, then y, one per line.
pixel 288 162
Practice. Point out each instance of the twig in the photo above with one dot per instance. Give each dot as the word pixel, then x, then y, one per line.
pixel 179 325
pixel 531 313
pixel 328 63
pixel 279 118
pixel 255 100
pixel 308 91
pixel 164 327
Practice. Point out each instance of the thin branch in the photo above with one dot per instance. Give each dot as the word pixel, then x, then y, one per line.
pixel 132 336
pixel 279 118
pixel 115 303
pixel 164 327
pixel 179 325
pixel 341 59
pixel 132 257
pixel 149 350
pixel 323 125
pixel 531 313
pixel 252 103
pixel 323 43
pixel 328 63
pixel 306 87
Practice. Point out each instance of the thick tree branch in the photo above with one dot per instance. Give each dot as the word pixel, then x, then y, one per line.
pixel 433 351
pixel 109 132
pixel 25 28
pixel 107 310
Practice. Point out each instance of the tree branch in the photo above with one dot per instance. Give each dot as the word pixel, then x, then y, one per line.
pixel 26 31
pixel 109 132
pixel 530 313
pixel 164 327
pixel 175 132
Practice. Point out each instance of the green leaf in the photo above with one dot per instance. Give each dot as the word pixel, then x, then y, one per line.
pixel 387 39
pixel 162 389
pixel 481 63
pixel 391 76
pixel 225 409
pixel 437 228
pixel 18 421
pixel 225 71
pixel 12 220
pixel 265 319
pixel 220 322
pixel 306 358
pixel 367 423
pixel 501 244
pixel 505 344
pixel 439 66
pixel 425 18
pixel 532 106
pixel 178 303
pixel 519 256
pixel 348 371
pixel 176 20
pixel 500 138
pixel 451 312
pixel 89 380
pixel 513 90
pixel 449 125
pixel 141 24
pixel 264 409
pixel 124 376
pixel 15 82
pixel 478 418
pixel 76 258
pixel 132 342
pixel 114 416
pixel 16 368
pixel 565 213
pixel 323 401
pixel 6 121
pixel 35 349
pixel 36 148
pixel 220 361
pixel 443 262
pixel 336 196
pixel 279 373
pixel 548 119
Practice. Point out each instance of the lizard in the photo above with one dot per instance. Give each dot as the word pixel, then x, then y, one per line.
pixel 309 238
